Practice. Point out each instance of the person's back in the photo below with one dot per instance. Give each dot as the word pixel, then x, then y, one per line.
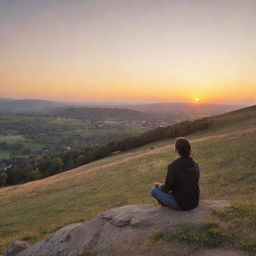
pixel 185 190
pixel 180 190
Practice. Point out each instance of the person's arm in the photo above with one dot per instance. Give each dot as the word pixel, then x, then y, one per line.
pixel 169 180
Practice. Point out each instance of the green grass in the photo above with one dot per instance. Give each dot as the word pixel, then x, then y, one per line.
pixel 12 139
pixel 240 221
pixel 4 155
pixel 34 210
pixel 199 235
pixel 233 228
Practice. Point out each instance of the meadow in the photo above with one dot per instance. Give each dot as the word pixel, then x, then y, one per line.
pixel 23 135
pixel 225 153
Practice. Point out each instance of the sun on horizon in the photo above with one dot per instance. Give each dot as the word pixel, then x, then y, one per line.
pixel 197 99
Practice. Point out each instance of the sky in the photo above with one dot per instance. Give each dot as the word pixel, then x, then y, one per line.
pixel 129 50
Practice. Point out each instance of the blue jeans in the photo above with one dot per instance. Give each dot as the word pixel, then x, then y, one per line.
pixel 166 199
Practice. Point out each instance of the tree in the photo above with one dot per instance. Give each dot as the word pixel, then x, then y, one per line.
pixel 33 175
pixel 81 159
pixel 3 179
pixel 55 165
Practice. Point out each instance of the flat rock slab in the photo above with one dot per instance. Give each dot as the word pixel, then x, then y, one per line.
pixel 149 216
pixel 115 226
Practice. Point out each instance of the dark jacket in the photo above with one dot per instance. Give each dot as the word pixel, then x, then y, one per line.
pixel 182 180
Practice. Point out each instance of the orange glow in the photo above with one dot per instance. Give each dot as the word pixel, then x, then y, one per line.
pixel 132 51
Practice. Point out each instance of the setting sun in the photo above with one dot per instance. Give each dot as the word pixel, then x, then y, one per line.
pixel 197 99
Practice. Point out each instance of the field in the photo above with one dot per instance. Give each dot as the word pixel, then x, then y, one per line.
pixel 225 153
pixel 25 135
pixel 12 139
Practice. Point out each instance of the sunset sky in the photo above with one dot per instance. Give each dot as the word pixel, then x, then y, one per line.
pixel 129 50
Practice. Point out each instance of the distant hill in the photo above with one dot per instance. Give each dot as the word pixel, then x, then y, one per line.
pixel 102 113
pixel 199 109
pixel 28 105
pixel 173 111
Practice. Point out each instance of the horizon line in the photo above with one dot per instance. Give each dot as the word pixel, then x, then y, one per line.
pixel 108 101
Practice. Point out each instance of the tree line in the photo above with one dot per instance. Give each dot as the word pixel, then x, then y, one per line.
pixel 37 167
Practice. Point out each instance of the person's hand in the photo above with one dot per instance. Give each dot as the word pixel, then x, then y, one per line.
pixel 156 184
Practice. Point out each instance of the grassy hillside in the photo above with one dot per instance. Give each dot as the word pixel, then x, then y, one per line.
pixel 225 153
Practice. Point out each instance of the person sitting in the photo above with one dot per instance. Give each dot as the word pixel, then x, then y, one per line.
pixel 181 190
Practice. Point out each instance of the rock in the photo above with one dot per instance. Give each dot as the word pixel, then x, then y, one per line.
pixel 122 216
pixel 14 248
pixel 115 226
pixel 69 240
pixel 148 216
pixel 112 236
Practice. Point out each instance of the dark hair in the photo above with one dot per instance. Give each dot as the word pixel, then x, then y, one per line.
pixel 182 145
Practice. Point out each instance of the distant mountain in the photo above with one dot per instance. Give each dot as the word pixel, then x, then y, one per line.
pixel 6 99
pixel 82 110
pixel 190 109
pixel 28 105
pixel 175 112
pixel 102 113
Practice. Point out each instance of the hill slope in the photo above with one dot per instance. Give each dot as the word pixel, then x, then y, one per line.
pixel 225 152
